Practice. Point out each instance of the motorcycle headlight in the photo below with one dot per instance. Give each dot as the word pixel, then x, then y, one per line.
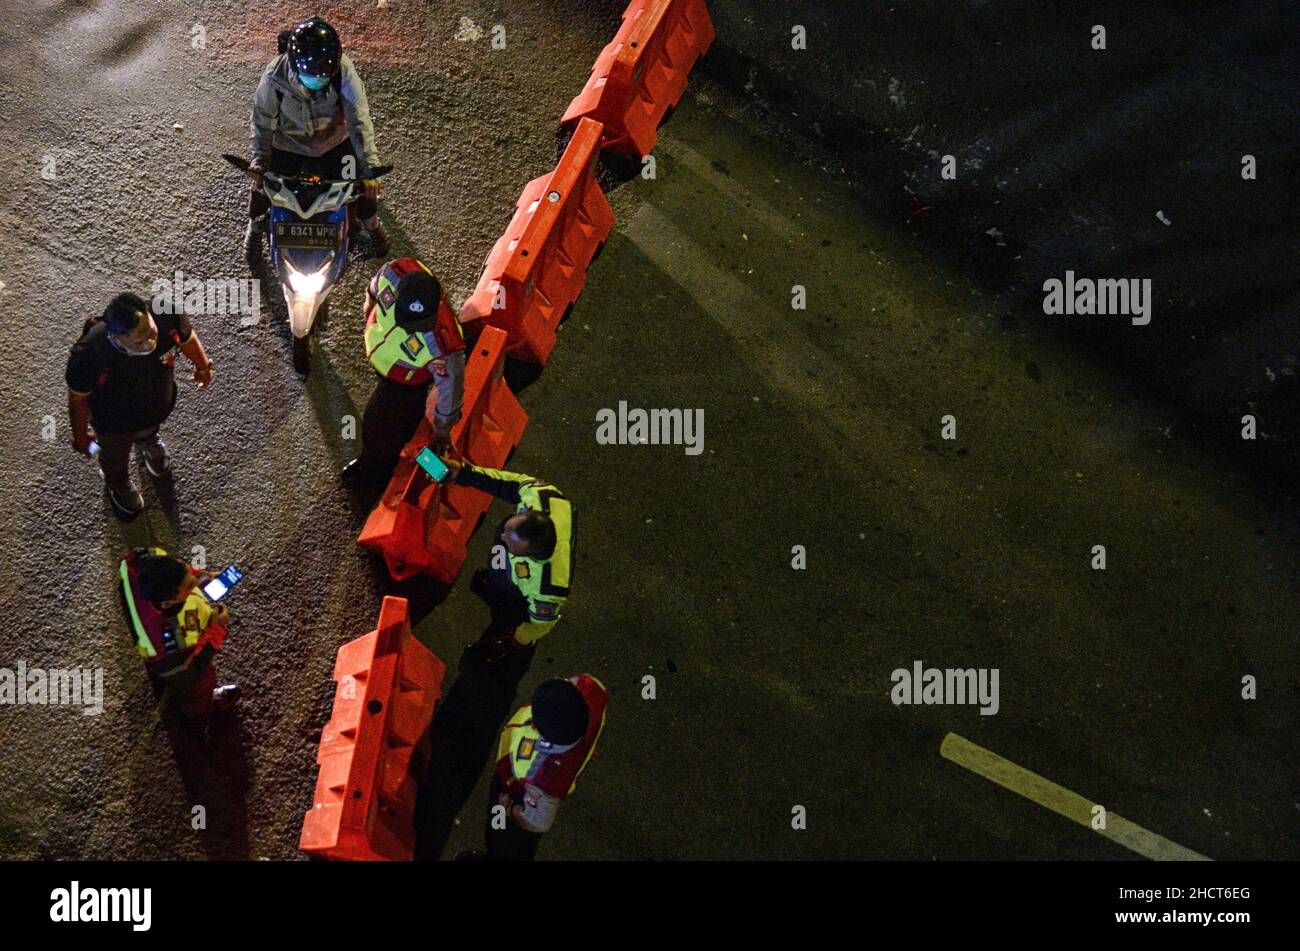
pixel 307 283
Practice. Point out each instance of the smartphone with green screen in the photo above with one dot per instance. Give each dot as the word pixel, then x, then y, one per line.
pixel 431 464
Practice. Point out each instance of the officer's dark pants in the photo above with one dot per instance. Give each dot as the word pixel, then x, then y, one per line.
pixel 329 165
pixel 188 693
pixel 115 455
pixel 494 585
pixel 511 844
pixel 390 420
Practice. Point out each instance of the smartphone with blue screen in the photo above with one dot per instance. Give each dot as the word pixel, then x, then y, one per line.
pixel 220 586
pixel 431 464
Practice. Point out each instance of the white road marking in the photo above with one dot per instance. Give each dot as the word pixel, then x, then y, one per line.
pixel 1060 800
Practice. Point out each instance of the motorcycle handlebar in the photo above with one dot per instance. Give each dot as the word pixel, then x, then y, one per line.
pixel 244 166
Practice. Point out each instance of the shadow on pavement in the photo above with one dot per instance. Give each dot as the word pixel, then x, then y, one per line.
pixel 519 374
pixel 330 402
pixel 422 593
pixel 214 773
pixel 462 739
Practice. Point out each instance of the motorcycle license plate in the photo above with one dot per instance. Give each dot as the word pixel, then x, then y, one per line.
pixel 290 234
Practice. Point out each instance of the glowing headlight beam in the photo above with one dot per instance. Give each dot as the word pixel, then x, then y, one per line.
pixel 307 283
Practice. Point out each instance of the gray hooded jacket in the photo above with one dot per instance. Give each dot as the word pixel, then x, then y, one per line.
pixel 292 118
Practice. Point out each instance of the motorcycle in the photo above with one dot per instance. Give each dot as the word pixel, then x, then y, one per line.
pixel 309 226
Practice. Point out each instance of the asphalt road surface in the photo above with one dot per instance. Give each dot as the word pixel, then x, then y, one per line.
pixel 823 430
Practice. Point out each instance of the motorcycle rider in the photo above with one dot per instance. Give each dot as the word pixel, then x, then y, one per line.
pixel 310 116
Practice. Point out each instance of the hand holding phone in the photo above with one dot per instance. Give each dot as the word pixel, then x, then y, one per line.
pixel 430 463
pixel 220 586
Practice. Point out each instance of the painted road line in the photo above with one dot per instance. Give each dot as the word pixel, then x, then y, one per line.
pixel 1060 800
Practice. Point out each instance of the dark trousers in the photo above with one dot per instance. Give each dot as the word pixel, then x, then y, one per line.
pixel 188 693
pixel 509 608
pixel 511 844
pixel 329 165
pixel 390 420
pixel 115 455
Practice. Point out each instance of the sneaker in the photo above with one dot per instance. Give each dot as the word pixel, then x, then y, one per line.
pixel 378 240
pixel 127 503
pixel 155 457
pixel 225 697
pixel 253 240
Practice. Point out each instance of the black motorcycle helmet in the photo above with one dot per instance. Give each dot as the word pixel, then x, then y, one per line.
pixel 314 49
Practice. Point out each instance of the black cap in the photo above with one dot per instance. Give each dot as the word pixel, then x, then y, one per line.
pixel 418 296
pixel 559 712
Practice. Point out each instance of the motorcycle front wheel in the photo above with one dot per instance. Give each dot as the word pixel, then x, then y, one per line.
pixel 302 355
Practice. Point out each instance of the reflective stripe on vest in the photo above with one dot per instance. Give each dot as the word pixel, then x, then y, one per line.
pixel 519 742
pixel 387 344
pixel 142 642
pixel 551 578
pixel 521 757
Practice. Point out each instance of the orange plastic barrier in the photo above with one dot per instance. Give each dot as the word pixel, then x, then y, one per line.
pixel 642 73
pixel 421 527
pixel 375 745
pixel 537 269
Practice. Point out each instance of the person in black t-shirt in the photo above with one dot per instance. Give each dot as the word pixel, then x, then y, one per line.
pixel 120 381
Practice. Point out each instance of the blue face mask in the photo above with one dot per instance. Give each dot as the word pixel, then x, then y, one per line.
pixel 314 83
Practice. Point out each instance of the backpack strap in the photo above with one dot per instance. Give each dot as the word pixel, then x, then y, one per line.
pixel 142 628
pixel 99 346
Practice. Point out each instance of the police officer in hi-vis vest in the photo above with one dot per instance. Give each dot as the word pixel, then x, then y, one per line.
pixel 542 752
pixel 416 345
pixel 177 630
pixel 530 567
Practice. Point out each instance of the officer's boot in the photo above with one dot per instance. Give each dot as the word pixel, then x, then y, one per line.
pixel 225 697
pixel 481 584
pixel 361 474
